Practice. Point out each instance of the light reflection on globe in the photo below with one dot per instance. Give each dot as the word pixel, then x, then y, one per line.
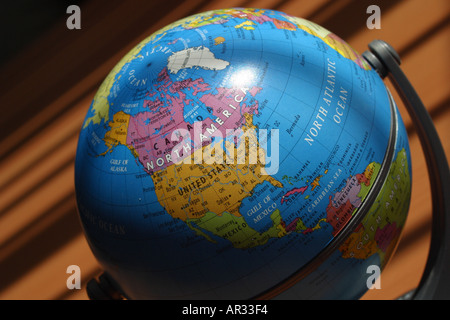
pixel 242 153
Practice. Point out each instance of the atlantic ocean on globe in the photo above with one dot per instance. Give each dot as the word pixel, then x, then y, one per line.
pixel 242 154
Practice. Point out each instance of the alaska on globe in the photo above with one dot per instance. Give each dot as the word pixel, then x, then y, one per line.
pixel 242 154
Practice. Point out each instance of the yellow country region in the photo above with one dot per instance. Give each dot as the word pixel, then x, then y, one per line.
pixel 204 18
pixel 218 40
pixel 336 45
pixel 340 46
pixel 343 48
pixel 118 133
pixel 190 189
pixel 369 171
pixel 308 26
pixel 316 183
pixel 247 25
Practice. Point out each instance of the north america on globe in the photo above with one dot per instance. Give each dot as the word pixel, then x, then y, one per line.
pixel 237 136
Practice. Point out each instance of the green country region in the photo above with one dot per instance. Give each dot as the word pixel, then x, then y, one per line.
pixel 372 169
pixel 389 209
pixel 235 229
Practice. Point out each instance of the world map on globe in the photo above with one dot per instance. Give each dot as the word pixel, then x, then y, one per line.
pixel 228 149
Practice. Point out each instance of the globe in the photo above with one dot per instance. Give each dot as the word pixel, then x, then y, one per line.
pixel 242 154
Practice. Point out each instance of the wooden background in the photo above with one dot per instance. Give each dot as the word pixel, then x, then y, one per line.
pixel 47 86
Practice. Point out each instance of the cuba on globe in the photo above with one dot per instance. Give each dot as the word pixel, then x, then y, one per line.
pixel 242 154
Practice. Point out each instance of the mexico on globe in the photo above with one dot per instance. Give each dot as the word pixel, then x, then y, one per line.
pixel 242 154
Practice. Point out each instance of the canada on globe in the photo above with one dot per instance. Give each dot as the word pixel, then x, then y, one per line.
pixel 242 154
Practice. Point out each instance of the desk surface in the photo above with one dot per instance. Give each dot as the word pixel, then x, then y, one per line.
pixel 47 89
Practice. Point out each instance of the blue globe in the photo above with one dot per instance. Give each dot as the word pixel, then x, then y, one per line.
pixel 239 154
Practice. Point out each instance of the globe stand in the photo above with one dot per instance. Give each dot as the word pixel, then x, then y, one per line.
pixel 102 289
pixel 435 282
